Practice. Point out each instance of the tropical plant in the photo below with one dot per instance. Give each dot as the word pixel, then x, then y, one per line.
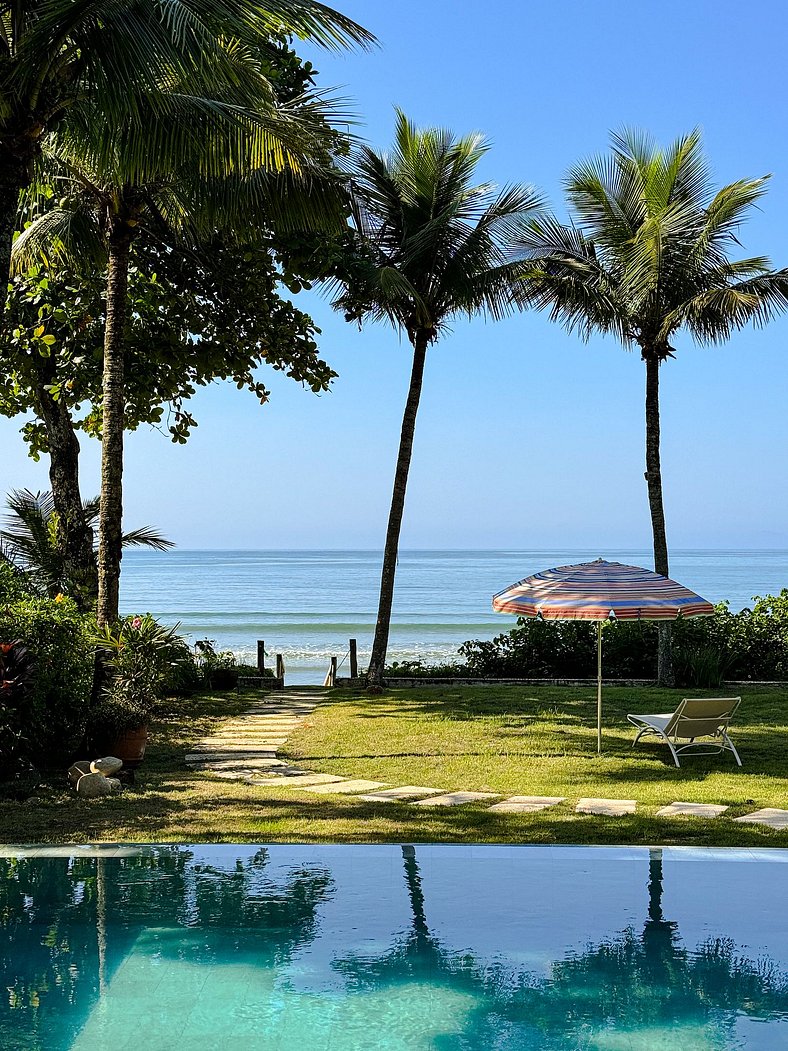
pixel 645 256
pixel 17 673
pixel 427 245
pixel 30 543
pixel 137 654
pixel 57 55
pixel 55 632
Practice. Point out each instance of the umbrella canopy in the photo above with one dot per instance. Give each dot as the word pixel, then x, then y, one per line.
pixel 600 591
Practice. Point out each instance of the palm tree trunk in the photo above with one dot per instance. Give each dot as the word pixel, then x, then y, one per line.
pixel 377 660
pixel 665 676
pixel 110 528
pixel 75 535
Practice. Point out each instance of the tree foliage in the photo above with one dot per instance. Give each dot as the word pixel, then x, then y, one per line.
pixel 196 316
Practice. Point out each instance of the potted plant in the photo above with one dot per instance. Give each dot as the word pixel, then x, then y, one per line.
pixel 219 667
pixel 137 653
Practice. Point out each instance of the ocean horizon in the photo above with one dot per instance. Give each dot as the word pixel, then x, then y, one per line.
pixel 307 603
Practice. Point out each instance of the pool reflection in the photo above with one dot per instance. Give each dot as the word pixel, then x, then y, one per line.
pixel 403 949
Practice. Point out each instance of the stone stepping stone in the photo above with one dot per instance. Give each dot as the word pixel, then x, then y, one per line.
pixel 304 780
pixel 606 807
pixel 525 804
pixel 253 749
pixel 771 816
pixel 222 753
pixel 455 798
pixel 692 809
pixel 345 787
pixel 407 793
pixel 242 763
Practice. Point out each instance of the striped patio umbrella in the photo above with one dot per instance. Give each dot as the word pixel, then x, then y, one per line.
pixel 600 591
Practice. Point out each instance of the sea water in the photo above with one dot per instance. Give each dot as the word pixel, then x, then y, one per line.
pixel 307 604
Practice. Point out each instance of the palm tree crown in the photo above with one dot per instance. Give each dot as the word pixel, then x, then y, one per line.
pixel 648 250
pixel 430 243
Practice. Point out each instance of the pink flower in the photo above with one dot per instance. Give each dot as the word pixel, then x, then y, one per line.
pixel 137 623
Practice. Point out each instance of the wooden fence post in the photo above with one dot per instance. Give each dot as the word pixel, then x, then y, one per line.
pixel 280 666
pixel 260 656
pixel 333 671
pixel 353 659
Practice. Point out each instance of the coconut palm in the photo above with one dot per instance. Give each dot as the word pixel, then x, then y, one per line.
pixel 271 169
pixel 54 54
pixel 30 541
pixel 646 256
pixel 428 244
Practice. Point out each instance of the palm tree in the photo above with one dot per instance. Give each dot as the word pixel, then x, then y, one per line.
pixel 646 255
pixel 56 54
pixel 271 168
pixel 428 244
pixel 30 541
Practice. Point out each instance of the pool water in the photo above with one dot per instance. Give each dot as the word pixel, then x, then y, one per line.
pixel 426 948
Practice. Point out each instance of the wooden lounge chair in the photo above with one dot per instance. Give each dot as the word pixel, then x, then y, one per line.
pixel 695 717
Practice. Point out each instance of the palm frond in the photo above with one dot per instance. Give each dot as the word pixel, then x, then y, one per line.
pixel 147 536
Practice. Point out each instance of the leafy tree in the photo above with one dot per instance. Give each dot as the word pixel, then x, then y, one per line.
pixel 427 245
pixel 29 542
pixel 194 317
pixel 645 256
pixel 122 60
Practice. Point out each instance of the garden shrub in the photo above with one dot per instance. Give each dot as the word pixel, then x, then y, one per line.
pixel 749 645
pixel 56 634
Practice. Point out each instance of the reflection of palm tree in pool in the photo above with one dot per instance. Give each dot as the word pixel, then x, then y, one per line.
pixel 630 981
pixel 66 924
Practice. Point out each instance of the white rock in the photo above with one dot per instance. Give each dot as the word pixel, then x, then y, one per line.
pixel 92 785
pixel 107 766
pixel 77 770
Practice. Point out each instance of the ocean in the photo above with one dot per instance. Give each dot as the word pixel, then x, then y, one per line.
pixel 307 604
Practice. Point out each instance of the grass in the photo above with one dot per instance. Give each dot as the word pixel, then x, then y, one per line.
pixel 510 740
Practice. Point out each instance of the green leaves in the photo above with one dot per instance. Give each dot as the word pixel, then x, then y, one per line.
pixel 427 242
pixel 647 249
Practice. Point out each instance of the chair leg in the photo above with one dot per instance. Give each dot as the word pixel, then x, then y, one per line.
pixel 730 745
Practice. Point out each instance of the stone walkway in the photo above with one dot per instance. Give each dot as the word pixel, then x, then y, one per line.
pixel 246 748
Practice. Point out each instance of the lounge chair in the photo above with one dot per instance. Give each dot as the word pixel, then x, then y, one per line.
pixel 707 717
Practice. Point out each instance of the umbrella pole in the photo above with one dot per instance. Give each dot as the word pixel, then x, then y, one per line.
pixel 599 688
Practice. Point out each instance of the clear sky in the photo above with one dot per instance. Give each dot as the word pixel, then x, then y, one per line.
pixel 526 437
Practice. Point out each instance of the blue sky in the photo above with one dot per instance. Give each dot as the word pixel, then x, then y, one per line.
pixel 527 437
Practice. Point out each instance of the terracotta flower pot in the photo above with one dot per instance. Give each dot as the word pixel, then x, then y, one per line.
pixel 130 746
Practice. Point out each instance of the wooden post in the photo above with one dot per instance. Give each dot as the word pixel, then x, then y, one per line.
pixel 280 666
pixel 353 659
pixel 333 671
pixel 260 656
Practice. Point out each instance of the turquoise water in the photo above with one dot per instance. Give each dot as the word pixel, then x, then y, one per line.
pixel 432 948
pixel 306 604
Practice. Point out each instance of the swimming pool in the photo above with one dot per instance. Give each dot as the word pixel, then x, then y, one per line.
pixel 425 948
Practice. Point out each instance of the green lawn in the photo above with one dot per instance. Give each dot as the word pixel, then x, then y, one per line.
pixel 511 740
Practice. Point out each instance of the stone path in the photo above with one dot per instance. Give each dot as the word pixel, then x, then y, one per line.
pixel 246 748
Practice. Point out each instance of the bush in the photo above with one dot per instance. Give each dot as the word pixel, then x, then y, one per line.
pixel 53 720
pixel 138 655
pixel 749 645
